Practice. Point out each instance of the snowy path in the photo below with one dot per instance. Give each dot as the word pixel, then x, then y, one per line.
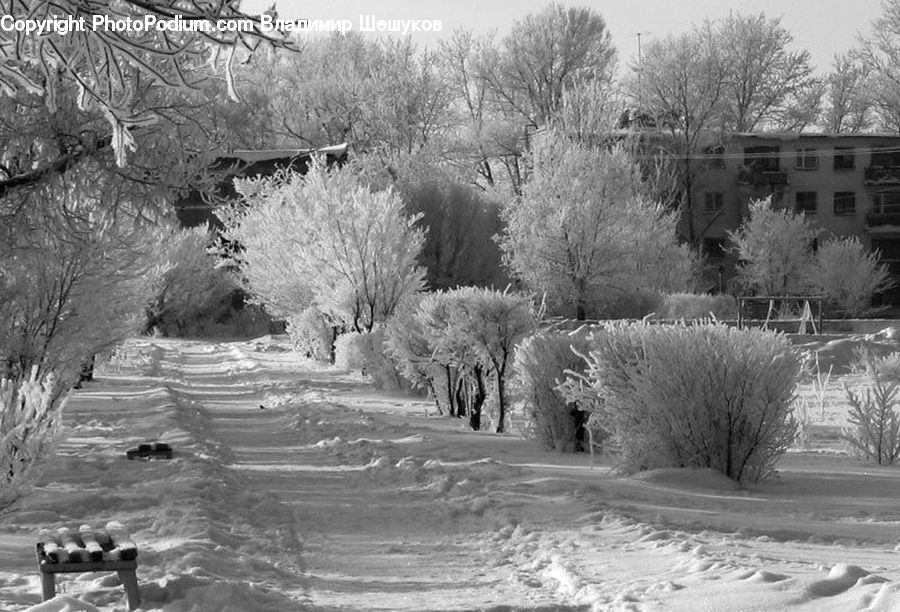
pixel 372 539
pixel 335 497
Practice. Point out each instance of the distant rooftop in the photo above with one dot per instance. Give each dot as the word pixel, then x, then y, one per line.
pixel 258 155
pixel 822 135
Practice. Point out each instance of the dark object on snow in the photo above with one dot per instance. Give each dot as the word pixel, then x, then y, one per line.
pixel 87 372
pixel 261 407
pixel 88 550
pixel 157 450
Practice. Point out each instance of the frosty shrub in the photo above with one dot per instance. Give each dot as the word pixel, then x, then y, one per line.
pixel 29 421
pixel 700 396
pixel 632 304
pixel 459 345
pixel 311 334
pixel 193 293
pixel 874 432
pixel 887 367
pixel 542 361
pixel 848 275
pixel 365 352
pixel 697 306
pixel 405 344
pixel 351 351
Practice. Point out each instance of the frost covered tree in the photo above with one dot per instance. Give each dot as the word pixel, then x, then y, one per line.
pixel 29 426
pixel 459 344
pixel 773 247
pixel 493 323
pixel 880 57
pixel 545 54
pixel 111 71
pixel 584 231
pixel 848 108
pixel 681 83
pixel 769 85
pixel 848 275
pixel 77 274
pixel 325 239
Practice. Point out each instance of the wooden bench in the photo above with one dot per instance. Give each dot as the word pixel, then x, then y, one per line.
pixel 88 550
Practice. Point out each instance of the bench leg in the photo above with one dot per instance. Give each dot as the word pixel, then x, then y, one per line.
pixel 128 578
pixel 48 585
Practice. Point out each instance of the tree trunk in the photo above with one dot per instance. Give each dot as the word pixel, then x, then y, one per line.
pixel 478 397
pixel 501 402
pixel 434 396
pixel 580 311
pixel 331 351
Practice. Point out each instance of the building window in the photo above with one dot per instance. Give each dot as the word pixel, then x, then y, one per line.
pixel 886 158
pixel 807 159
pixel 714 248
pixel 844 203
pixel 761 158
pixel 713 202
pixel 844 158
pixel 715 156
pixel 806 202
pixel 886 203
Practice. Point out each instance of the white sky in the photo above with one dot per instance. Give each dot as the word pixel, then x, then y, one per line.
pixel 824 27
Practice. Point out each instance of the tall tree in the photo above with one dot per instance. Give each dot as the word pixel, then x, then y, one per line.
pixel 769 86
pixel 848 108
pixel 460 60
pixel 584 231
pixel 546 53
pixel 880 54
pixel 682 83
pixel 382 95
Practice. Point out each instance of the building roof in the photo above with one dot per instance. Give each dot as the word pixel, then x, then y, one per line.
pixel 788 136
pixel 259 155
pixel 197 208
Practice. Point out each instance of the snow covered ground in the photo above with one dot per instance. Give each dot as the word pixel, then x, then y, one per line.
pixel 337 497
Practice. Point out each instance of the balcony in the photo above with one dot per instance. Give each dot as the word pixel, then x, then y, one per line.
pixel 882 175
pixel 884 218
pixel 762 177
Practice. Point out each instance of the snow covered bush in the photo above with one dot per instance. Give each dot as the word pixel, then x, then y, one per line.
pixel 630 304
pixel 701 396
pixel 193 294
pixel 459 344
pixel 325 239
pixel 350 351
pixel 30 411
pixel 542 362
pixel 874 432
pixel 311 334
pixel 365 352
pixel 848 275
pixel 697 306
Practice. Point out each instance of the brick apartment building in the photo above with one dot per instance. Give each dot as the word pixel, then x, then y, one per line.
pixel 845 184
